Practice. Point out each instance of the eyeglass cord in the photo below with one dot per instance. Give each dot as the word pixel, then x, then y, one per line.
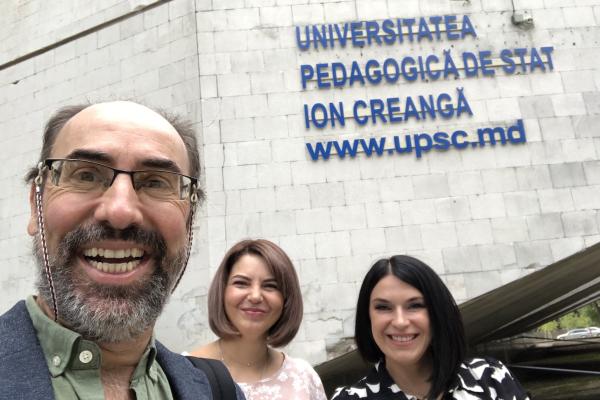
pixel 193 201
pixel 41 229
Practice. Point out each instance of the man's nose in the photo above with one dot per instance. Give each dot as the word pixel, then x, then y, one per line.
pixel 120 205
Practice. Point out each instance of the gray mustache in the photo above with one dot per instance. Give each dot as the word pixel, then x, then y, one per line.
pixel 85 234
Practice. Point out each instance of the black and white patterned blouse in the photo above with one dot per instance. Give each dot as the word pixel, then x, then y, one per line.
pixel 478 379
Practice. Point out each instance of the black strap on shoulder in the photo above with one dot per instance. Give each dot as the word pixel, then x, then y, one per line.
pixel 221 382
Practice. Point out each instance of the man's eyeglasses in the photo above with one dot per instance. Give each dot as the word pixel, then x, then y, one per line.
pixel 92 177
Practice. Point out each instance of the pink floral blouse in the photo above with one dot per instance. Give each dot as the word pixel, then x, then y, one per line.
pixel 295 380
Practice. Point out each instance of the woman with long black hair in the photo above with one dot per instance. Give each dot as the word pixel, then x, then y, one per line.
pixel 409 325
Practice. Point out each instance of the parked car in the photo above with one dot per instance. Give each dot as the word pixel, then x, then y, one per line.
pixel 580 333
pixel 595 331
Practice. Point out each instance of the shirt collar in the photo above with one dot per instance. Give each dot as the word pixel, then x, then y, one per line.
pixel 65 349
pixel 148 363
pixel 380 372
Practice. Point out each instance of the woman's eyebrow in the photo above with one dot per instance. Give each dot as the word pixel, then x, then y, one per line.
pixel 380 300
pixel 239 276
pixel 416 298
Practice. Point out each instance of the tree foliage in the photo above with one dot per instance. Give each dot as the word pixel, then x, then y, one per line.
pixel 588 315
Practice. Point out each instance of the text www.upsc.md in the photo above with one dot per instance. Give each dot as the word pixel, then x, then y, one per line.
pixel 418 143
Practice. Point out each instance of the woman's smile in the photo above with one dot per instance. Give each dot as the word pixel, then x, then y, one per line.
pixel 399 321
pixel 253 301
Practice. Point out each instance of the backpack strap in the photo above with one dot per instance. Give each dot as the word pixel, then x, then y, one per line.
pixel 219 378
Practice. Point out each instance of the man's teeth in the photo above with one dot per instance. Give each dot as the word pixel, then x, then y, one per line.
pixel 403 338
pixel 107 253
pixel 127 264
pixel 115 267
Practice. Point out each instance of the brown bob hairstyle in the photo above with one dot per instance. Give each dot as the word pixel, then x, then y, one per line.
pixel 280 265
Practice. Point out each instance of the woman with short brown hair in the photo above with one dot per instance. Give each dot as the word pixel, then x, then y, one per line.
pixel 255 304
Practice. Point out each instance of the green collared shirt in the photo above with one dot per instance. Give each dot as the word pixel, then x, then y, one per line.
pixel 74 363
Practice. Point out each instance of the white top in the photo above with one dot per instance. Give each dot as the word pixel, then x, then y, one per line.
pixel 295 380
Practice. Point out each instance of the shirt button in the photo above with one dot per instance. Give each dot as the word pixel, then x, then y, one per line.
pixel 86 356
pixel 56 361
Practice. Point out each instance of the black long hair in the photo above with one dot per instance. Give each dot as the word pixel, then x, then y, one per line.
pixel 448 344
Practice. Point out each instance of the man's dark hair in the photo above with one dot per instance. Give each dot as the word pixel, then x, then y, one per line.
pixel 448 344
pixel 60 118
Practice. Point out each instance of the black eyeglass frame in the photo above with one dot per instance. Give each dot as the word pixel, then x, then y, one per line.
pixel 193 181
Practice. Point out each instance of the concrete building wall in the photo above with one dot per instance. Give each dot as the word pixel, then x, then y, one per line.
pixel 480 216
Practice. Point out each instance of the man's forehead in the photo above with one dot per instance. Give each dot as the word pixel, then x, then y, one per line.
pixel 121 112
pixel 117 126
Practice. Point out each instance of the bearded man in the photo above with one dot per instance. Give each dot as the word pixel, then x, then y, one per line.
pixel 112 202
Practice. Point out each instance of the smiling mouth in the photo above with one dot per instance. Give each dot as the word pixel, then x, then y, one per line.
pixel 114 261
pixel 253 311
pixel 403 338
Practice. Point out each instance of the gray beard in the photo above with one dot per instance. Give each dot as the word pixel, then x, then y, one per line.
pixel 103 313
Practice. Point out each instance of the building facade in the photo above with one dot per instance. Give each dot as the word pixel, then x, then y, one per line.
pixel 465 133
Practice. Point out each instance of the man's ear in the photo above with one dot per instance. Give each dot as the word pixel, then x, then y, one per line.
pixel 32 226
